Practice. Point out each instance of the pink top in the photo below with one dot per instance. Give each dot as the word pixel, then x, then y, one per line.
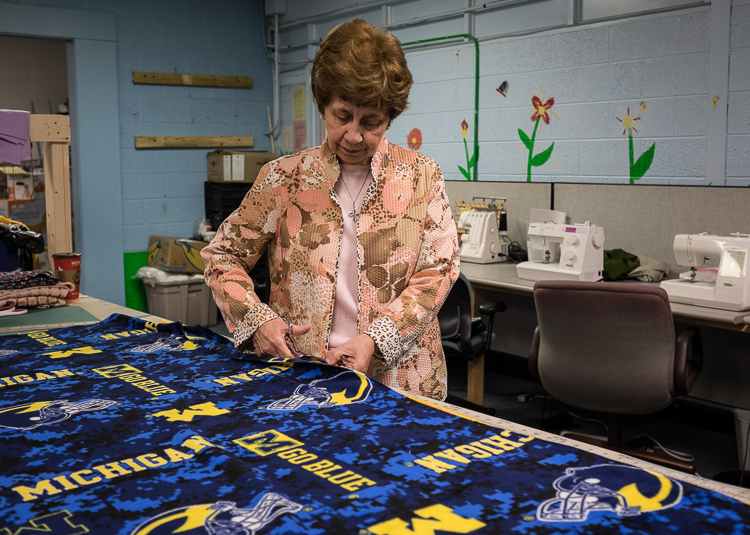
pixel 351 189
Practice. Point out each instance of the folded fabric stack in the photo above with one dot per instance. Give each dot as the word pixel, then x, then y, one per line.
pixel 620 264
pixel 32 289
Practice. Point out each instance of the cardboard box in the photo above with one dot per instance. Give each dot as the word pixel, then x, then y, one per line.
pixel 175 254
pixel 21 188
pixel 19 182
pixel 236 165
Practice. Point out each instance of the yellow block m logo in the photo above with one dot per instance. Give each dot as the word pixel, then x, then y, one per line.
pixel 87 350
pixel 433 518
pixel 204 409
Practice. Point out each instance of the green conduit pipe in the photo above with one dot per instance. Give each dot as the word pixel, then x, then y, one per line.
pixel 476 83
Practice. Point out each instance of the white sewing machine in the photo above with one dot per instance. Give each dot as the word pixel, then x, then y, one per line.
pixel 481 242
pixel 558 251
pixel 731 288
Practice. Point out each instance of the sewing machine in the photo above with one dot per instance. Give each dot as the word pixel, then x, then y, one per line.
pixel 558 251
pixel 481 237
pixel 727 287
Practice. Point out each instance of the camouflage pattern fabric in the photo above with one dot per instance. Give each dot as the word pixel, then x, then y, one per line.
pixel 134 428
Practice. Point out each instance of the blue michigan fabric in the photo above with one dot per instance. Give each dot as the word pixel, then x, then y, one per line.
pixel 130 427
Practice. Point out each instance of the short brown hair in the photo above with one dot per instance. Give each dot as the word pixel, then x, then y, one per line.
pixel 364 65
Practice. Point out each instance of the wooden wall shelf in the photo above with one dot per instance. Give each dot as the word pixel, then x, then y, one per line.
pixel 205 80
pixel 186 142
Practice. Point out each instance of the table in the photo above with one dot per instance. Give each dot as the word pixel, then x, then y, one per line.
pixel 129 426
pixel 82 311
pixel 503 277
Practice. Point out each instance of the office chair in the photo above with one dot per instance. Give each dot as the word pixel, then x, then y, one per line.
pixel 463 338
pixel 610 347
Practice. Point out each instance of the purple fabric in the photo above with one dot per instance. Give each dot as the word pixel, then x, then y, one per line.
pixel 15 143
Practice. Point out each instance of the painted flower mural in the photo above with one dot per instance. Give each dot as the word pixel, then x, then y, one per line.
pixel 540 112
pixel 631 124
pixel 414 139
pixel 471 162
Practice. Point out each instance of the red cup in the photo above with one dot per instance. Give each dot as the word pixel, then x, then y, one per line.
pixel 68 269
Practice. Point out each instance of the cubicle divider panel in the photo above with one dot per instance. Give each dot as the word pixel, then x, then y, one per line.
pixel 518 321
pixel 644 220
pixel 520 197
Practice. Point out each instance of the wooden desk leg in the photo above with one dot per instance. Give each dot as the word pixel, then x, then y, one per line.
pixel 475 376
pixel 476 300
pixel 475 380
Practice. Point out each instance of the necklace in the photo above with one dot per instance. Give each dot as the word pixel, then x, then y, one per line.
pixel 354 214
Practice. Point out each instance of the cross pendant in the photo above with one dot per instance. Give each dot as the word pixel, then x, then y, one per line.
pixel 354 215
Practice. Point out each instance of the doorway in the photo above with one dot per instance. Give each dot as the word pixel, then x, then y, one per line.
pixel 36 81
pixel 91 51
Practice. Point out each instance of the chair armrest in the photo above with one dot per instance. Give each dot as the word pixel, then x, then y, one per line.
pixel 534 355
pixel 492 307
pixel 686 371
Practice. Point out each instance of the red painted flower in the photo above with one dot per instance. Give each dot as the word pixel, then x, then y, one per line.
pixel 541 107
pixel 464 128
pixel 414 139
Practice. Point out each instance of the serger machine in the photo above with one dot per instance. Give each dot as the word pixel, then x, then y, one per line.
pixel 482 239
pixel 558 251
pixel 727 287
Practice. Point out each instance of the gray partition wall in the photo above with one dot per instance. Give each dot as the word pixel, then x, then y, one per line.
pixel 520 197
pixel 644 220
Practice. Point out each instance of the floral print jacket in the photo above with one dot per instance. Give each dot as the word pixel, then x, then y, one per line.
pixel 407 255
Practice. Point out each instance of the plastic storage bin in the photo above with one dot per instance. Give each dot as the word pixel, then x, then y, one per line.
pixel 189 302
pixel 222 199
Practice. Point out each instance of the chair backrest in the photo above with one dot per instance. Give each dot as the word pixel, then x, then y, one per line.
pixel 606 346
pixel 457 302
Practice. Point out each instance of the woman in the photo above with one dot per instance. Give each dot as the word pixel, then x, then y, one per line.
pixel 361 239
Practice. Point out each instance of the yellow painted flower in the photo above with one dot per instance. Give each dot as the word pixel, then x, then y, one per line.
pixel 464 128
pixel 628 121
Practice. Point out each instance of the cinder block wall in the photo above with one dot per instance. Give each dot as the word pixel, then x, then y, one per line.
pixel 162 189
pixel 595 72
pixel 738 119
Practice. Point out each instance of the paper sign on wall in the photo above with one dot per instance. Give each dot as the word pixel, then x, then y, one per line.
pixel 299 116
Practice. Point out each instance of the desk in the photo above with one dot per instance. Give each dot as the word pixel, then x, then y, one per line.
pixel 503 277
pixel 132 427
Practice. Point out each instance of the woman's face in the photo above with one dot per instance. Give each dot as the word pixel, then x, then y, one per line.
pixel 354 132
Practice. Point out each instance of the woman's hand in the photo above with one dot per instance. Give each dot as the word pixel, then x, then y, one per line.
pixel 270 340
pixel 355 353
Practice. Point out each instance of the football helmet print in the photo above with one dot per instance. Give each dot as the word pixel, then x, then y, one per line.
pixel 343 389
pixel 171 343
pixel 220 518
pixel 37 413
pixel 625 490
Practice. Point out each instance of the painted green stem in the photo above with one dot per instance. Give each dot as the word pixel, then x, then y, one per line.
pixel 531 151
pixel 632 155
pixel 466 148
